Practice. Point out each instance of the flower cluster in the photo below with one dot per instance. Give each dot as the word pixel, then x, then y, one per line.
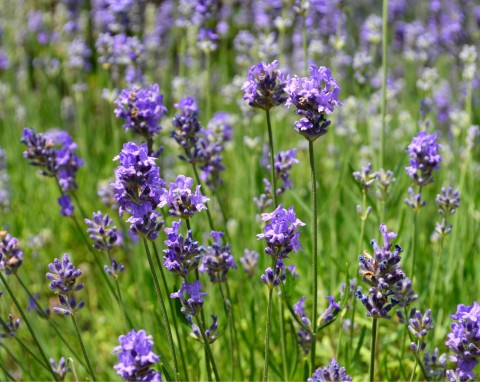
pixel 136 357
pixel 217 259
pixel 186 128
pixel 315 98
pixel 115 270
pixel 141 108
pixel 265 87
pixel 9 328
pixel 424 158
pixel 194 302
pixel 435 364
pixel 249 261
pixel 146 227
pixel 102 232
pixel 464 341
pixel 60 369
pixel 448 202
pixel 182 255
pixel 332 373
pixel 384 275
pixel 11 256
pixel 211 333
pixel 54 153
pixel 365 177
pixel 138 185
pixel 181 200
pixel 63 276
pixel 419 325
pixel 66 206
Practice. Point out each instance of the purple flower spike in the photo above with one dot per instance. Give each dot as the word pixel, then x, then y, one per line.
pixel 141 108
pixel 281 233
pixel 424 158
pixel 265 87
pixel 464 341
pixel 332 373
pixel 63 276
pixel 146 227
pixel 249 261
pixel 102 232
pixel 136 357
pixel 11 256
pixel 67 208
pixel 181 200
pixel 186 128
pixel 194 302
pixel 299 310
pixel 60 369
pixel 217 259
pixel 315 98
pixel 138 184
pixel 329 313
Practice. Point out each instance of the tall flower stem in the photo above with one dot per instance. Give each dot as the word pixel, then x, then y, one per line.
pixel 7 374
pixel 208 349
pixel 267 336
pixel 163 310
pixel 20 364
pixel 314 252
pixel 283 341
pixel 233 348
pixel 384 80
pixel 25 319
pixel 414 243
pixel 373 348
pixel 120 299
pixel 233 326
pixel 272 158
pixel 433 289
pixel 84 351
pixel 172 311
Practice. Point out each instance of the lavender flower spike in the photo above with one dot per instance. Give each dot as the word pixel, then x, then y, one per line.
pixel 102 232
pixel 424 158
pixel 299 310
pixel 315 98
pixel 217 259
pixel 332 373
pixel 11 256
pixel 136 357
pixel 265 86
pixel 194 303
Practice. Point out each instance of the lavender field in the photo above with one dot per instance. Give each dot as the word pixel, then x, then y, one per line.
pixel 239 190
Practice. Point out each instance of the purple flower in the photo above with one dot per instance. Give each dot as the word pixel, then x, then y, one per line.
pixel 329 314
pixel 209 157
pixel 332 373
pixel 136 357
pixel 273 277
pixel 11 256
pixel 220 128
pixel 315 98
pixel 115 270
pixel 304 340
pixel 181 200
pixel 217 259
pixel 265 86
pixel 9 328
pixel 138 185
pixel 299 310
pixel 102 232
pixel 60 369
pixel 448 201
pixel 193 303
pixel 63 276
pixel 419 325
pixel 141 108
pixel 186 128
pixel 424 158
pixel 54 153
pixel 281 233
pixel 67 208
pixel 383 274
pixel 182 254
pixel 435 364
pixel 211 333
pixel 464 340
pixel 414 200
pixel 79 54
pixel 365 176
pixel 249 261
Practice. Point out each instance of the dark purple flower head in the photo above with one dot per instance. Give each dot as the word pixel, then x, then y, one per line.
pixel 435 364
pixel 136 357
pixel 193 302
pixel 272 277
pixel 265 86
pixel 299 310
pixel 54 153
pixel 11 256
pixel 138 185
pixel 383 274
pixel 424 158
pixel 332 373
pixel 329 313
pixel 182 254
pixel 419 326
pixel 9 328
pixel 60 369
pixel 67 208
pixel 115 270
pixel 217 259
pixel 365 176
pixel 147 226
pixel 464 339
pixel 315 98
pixel 249 261
pixel 63 276
pixel 181 199
pixel 281 232
pixel 448 201
pixel 102 232
pixel 141 108
pixel 186 128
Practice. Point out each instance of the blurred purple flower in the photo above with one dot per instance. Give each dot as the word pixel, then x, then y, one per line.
pixel 67 208
pixel 424 158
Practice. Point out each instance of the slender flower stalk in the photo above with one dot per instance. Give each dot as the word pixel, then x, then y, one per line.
pixel 84 351
pixel 371 369
pixel 267 336
pixel 385 24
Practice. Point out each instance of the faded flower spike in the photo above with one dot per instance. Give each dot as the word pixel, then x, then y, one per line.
pixel 315 98
pixel 365 176
pixel 264 88
pixel 448 201
pixel 424 158
pixel 249 261
pixel 11 256
pixel 60 369
pixel 332 373
pixel 63 276
pixel 136 357
pixel 217 259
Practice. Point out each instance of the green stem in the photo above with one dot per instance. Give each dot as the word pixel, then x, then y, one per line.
pixel 372 353
pixel 272 159
pixel 20 364
pixel 234 329
pixel 25 319
pixel 27 349
pixel 314 252
pixel 7 374
pixel 384 80
pixel 283 341
pixel 84 351
pixel 119 294
pixel 414 368
pixel 267 336
pixel 163 310
pixel 226 309
pixel 414 243
pixel 433 289
pixel 172 311
pixel 210 359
